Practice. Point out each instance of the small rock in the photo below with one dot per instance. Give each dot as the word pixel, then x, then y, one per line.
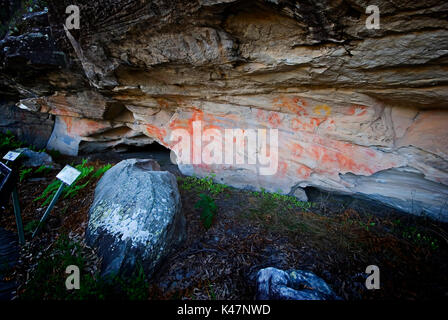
pixel 300 194
pixel 36 159
pixel 179 276
pixel 275 284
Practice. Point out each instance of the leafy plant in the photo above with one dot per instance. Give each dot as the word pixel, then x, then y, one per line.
pixel 208 206
pixel 366 225
pixel 43 169
pixel 9 142
pixel 31 226
pixel 101 171
pixel 49 192
pixel 205 184
pixel 24 173
pixel 276 199
pixel 48 278
pixel 80 183
pixel 55 154
pixel 73 190
pixel 135 287
pixel 211 292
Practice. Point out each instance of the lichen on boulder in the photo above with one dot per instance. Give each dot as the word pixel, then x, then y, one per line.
pixel 135 219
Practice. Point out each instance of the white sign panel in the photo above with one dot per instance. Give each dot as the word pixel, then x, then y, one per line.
pixel 68 175
pixel 12 155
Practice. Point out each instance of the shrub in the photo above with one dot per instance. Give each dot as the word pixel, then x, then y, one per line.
pixel 208 207
pixel 8 142
pixel 24 173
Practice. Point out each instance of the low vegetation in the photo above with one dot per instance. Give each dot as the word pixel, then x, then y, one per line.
pixel 47 281
pixel 231 233
pixel 208 206
pixel 81 182
pixel 9 142
pixel 205 184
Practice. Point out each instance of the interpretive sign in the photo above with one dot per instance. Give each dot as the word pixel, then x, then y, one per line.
pixel 68 175
pixel 12 155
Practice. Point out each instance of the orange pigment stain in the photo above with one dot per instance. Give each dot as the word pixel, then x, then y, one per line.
pixel 296 105
pixel 62 112
pixel 303 172
pixel 342 160
pixel 156 132
pixel 82 127
pixel 187 124
pixel 300 105
pixel 297 150
pixel 340 157
pixel 370 153
pixel 208 121
pixel 68 123
pixel 274 119
pixel 202 166
pixel 282 169
pixel 260 115
pixel 357 110
pixel 162 103
pixel 306 124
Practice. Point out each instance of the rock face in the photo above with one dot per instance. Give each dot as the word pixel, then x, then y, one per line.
pixel 275 284
pixel 135 218
pixel 33 128
pixel 354 107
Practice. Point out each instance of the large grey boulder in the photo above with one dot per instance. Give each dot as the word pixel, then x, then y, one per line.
pixel 275 284
pixel 135 218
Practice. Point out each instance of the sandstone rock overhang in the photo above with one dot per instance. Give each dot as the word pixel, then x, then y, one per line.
pixel 355 108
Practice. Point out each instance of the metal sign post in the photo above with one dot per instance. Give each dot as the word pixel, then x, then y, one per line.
pixel 18 214
pixel 67 176
pixel 8 186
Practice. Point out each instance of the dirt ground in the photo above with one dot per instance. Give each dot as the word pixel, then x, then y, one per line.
pixel 337 238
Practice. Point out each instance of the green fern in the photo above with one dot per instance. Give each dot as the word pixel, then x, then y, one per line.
pixel 73 190
pixel 24 173
pixel 9 142
pixel 43 169
pixel 49 192
pixel 101 171
pixel 205 184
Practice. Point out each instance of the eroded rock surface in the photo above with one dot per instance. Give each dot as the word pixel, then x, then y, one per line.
pixel 135 219
pixel 350 104
pixel 35 159
pixel 276 284
pixel 33 128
